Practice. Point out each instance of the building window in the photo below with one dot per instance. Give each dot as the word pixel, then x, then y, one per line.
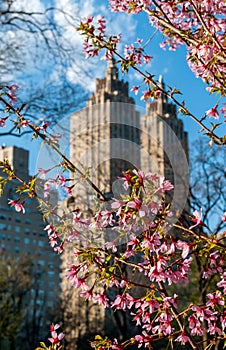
pixel 51 295
pixel 27 231
pixel 2 217
pixel 41 244
pixel 17 239
pixel 50 303
pixel 26 240
pixel 40 302
pixel 16 249
pixel 51 284
pixel 17 229
pixel 2 226
pixel 18 219
pixel 27 221
pixel 51 273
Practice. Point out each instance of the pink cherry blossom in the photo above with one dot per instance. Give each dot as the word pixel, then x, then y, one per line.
pixel 12 88
pixel 136 204
pixel 165 184
pixel 183 338
pixel 197 219
pixel 2 122
pixel 54 327
pixel 213 112
pixel 135 89
pixel 44 126
pixel 214 299
pixel 102 299
pixel 123 302
pixel 141 176
pixel 56 339
pixel 222 283
pixel 43 173
pixel 88 19
pixel 223 218
pixel 128 178
pixel 18 206
pixel 77 219
pixel 147 58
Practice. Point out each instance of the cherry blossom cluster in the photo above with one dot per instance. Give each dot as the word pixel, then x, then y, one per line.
pixel 50 184
pixel 54 238
pixel 10 92
pixel 96 35
pixel 136 54
pixel 157 258
pixel 200 26
pixel 172 19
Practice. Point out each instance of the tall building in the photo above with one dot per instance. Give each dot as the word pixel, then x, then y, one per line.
pixel 22 237
pixel 105 140
pixel 105 135
pixel 164 148
pixel 108 137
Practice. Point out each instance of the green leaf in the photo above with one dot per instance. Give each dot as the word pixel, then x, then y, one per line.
pixel 108 258
pixel 98 337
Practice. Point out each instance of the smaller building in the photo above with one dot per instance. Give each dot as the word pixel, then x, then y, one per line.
pixel 22 236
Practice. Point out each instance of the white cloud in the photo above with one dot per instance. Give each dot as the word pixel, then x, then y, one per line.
pixel 28 6
pixel 117 23
pixel 80 70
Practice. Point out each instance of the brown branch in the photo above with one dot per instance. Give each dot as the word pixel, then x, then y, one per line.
pixel 205 238
pixel 44 138
pixel 104 44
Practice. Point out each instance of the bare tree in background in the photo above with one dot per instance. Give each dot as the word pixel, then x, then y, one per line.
pixel 15 284
pixel 35 54
pixel 207 183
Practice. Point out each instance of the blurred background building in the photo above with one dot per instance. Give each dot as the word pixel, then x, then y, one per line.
pixel 31 297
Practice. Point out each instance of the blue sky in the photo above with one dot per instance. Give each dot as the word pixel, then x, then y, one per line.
pixel 171 65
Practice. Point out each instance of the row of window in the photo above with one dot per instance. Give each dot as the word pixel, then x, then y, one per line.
pixel 18 219
pixel 18 229
pixel 27 249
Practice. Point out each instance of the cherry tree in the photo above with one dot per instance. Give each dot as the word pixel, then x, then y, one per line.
pixel 156 261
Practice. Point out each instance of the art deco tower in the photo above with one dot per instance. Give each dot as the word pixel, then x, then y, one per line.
pixel 107 137
pixel 104 141
pixel 164 147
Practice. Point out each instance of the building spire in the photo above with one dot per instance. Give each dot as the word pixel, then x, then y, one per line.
pixel 112 70
pixel 111 62
pixel 162 100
